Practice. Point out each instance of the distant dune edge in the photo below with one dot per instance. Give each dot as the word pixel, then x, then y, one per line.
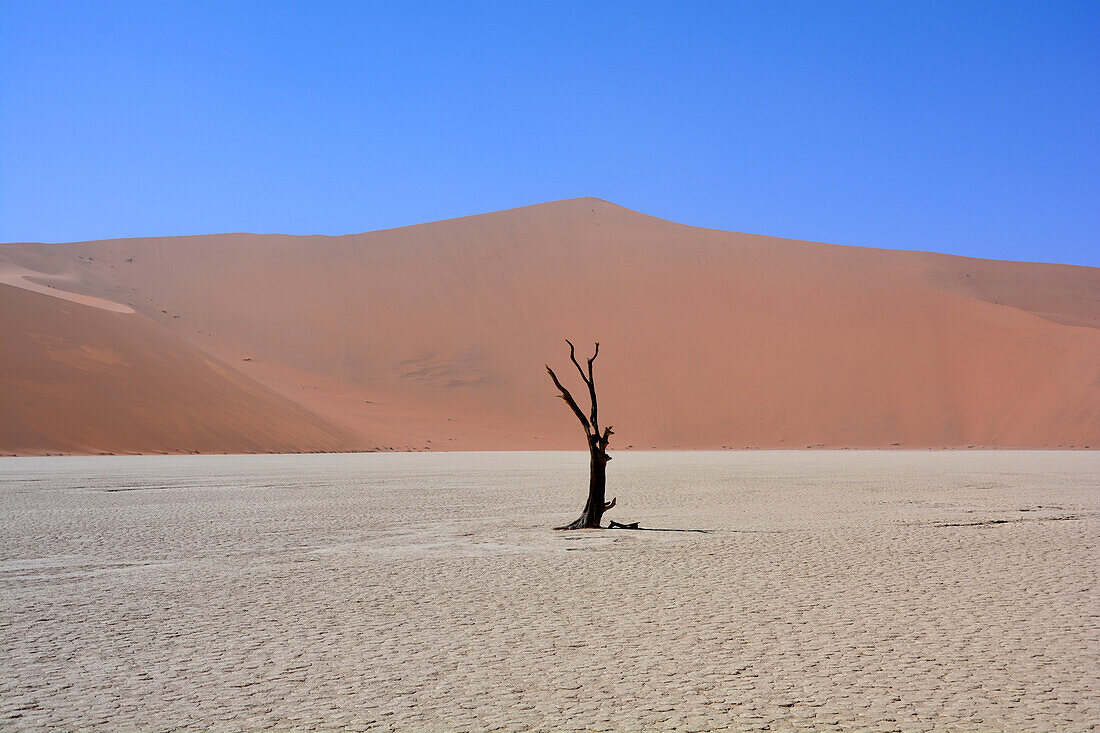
pixel 433 337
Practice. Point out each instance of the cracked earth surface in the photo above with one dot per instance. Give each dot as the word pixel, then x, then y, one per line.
pixel 832 590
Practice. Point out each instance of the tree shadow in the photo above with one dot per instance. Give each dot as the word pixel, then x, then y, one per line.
pixel 633 526
pixel 668 529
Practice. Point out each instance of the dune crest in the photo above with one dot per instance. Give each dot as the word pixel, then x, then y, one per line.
pixel 37 282
pixel 433 336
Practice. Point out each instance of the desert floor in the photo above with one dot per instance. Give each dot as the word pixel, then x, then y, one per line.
pixel 425 592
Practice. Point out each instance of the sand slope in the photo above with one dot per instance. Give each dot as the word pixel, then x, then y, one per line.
pixel 434 336
pixel 81 379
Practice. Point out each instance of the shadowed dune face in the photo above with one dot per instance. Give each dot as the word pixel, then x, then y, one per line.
pixel 83 379
pixel 434 336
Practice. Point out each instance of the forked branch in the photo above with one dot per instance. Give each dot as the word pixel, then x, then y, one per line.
pixel 589 380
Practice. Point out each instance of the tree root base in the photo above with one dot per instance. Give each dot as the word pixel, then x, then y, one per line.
pixel 581 524
pixel 591 520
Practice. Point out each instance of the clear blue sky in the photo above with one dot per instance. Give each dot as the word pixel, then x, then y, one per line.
pixel 963 127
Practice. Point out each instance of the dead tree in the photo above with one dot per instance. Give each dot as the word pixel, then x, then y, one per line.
pixel 597 445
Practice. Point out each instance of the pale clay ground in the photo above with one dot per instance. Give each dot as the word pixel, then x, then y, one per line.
pixel 836 590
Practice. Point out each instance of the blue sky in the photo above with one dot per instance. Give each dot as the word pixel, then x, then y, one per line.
pixel 962 127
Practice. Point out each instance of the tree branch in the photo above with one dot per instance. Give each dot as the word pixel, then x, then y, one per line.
pixel 594 355
pixel 592 387
pixel 588 380
pixel 573 358
pixel 570 401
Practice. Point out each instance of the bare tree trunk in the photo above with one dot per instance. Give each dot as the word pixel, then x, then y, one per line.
pixel 595 507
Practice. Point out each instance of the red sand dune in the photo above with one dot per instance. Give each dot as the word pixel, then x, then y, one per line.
pixel 84 380
pixel 434 336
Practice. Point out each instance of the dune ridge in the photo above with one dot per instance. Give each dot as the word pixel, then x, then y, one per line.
pixel 433 337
